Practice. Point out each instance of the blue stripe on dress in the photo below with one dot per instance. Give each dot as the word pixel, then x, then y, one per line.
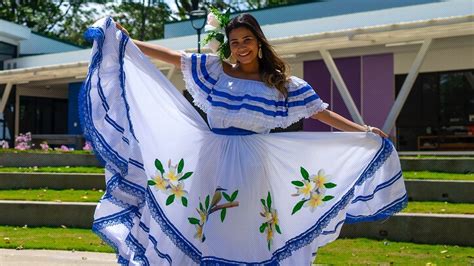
pixel 114 124
pixel 379 187
pixel 158 252
pixel 384 212
pixel 195 75
pixel 261 109
pixel 205 74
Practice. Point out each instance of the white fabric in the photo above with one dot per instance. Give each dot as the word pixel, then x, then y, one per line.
pixel 134 117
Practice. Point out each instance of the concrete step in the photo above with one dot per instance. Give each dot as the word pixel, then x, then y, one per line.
pixel 24 159
pixel 418 190
pixel 439 190
pixel 448 165
pixel 51 180
pixel 446 229
pixel 47 213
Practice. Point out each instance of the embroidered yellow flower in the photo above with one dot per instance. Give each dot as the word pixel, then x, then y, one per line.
pixel 203 216
pixel 269 234
pixel 178 190
pixel 306 189
pixel 314 201
pixel 161 183
pixel 172 175
pixel 320 179
pixel 199 232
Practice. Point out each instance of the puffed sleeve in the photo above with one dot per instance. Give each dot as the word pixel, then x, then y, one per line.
pixel 200 73
pixel 303 101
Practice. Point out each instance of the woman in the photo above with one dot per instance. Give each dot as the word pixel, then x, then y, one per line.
pixel 181 193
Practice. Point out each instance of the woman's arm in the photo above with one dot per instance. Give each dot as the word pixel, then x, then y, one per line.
pixel 156 51
pixel 335 120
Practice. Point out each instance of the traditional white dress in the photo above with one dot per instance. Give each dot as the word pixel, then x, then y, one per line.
pixel 181 193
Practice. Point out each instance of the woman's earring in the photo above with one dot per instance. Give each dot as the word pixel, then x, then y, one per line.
pixel 260 55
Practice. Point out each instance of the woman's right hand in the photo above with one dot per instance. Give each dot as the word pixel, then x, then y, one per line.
pixel 120 27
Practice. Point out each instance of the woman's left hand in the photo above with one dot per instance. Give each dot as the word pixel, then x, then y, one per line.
pixel 379 132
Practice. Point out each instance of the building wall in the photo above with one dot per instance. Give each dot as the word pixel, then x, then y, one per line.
pixel 370 81
pixel 444 54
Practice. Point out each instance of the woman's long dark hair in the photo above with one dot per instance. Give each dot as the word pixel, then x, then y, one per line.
pixel 273 70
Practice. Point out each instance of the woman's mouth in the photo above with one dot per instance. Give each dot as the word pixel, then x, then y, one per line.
pixel 244 54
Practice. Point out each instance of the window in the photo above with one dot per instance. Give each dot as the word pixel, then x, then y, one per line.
pixel 438 113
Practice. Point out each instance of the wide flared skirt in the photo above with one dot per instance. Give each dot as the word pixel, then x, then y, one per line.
pixel 177 193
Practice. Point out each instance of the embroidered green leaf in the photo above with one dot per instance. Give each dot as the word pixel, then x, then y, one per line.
pixel 269 200
pixel 297 183
pixel 180 166
pixel 277 228
pixel 226 196
pixel 201 207
pixel 193 220
pixel 186 176
pixel 203 238
pixel 304 173
pixel 328 198
pixel 151 182
pixel 298 206
pixel 262 227
pixel 223 213
pixel 170 200
pixel 184 201
pixel 234 195
pixel 269 243
pixel 329 185
pixel 159 166
pixel 263 202
pixel 207 202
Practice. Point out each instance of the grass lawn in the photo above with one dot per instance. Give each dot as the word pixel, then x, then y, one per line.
pixel 436 175
pixel 51 238
pixel 49 169
pixel 373 252
pixel 439 207
pixel 342 251
pixel 69 195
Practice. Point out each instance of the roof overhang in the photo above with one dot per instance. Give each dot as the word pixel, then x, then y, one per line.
pixel 390 34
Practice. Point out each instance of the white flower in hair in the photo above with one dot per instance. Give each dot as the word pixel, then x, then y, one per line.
pixel 214 45
pixel 215 39
pixel 213 21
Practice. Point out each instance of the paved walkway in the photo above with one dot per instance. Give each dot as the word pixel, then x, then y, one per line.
pixel 12 257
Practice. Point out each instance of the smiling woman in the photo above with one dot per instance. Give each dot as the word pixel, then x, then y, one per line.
pixel 180 192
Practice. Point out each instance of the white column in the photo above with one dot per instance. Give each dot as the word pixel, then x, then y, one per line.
pixel 6 94
pixel 407 86
pixel 341 86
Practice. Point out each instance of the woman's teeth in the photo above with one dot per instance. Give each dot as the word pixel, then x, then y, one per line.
pixel 244 54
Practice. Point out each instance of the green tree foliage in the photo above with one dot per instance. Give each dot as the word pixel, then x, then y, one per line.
pixel 144 20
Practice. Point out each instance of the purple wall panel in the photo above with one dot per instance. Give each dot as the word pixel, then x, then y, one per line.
pixel 378 88
pixel 371 87
pixel 317 75
pixel 349 68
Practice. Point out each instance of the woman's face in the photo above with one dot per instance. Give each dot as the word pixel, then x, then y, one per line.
pixel 243 45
